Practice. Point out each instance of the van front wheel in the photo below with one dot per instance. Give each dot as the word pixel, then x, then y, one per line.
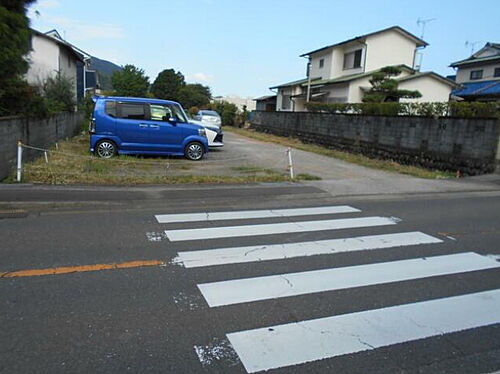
pixel 194 151
pixel 105 149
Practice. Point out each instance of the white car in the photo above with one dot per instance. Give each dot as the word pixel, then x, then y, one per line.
pixel 214 133
pixel 209 117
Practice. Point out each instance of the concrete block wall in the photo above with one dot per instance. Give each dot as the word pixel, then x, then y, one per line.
pixel 37 133
pixel 468 145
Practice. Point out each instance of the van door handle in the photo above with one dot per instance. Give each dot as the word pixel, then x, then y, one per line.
pixel 154 126
pixel 142 125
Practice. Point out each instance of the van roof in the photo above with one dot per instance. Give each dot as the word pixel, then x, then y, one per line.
pixel 141 99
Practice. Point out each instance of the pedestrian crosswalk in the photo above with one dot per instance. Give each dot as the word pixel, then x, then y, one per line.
pixel 297 343
pixel 300 342
pixel 248 214
pixel 223 256
pixel 276 228
pixel 283 285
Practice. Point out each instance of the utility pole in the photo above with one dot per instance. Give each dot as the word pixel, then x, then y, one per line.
pixel 308 80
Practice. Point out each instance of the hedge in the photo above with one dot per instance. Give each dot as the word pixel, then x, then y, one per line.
pixel 437 109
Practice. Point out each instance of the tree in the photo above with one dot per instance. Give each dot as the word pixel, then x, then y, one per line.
pixel 59 93
pixel 195 94
pixel 167 85
pixel 15 38
pixel 131 81
pixel 385 88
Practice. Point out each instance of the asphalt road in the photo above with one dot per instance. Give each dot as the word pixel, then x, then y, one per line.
pixel 158 318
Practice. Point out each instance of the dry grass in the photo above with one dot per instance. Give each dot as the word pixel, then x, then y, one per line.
pixel 72 164
pixel 358 159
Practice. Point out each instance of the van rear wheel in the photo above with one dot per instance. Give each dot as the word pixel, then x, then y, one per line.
pixel 105 149
pixel 194 151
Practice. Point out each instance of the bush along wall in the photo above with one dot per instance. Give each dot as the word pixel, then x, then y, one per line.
pixel 467 145
pixel 437 109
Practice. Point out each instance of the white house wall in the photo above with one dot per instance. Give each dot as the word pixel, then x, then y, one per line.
pixel 325 71
pixel 337 62
pixel 355 92
pixel 334 62
pixel 44 60
pixel 463 74
pixel 351 47
pixel 379 50
pixel 486 52
pixel 289 91
pixel 432 89
pixel 67 67
pixel 389 48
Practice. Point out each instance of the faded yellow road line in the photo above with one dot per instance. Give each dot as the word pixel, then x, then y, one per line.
pixel 79 269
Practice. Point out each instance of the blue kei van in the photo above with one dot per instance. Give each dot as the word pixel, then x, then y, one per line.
pixel 130 125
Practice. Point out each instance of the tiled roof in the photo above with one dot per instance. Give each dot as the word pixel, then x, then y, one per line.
pixel 473 60
pixel 348 78
pixel 267 97
pixel 479 88
pixel 294 83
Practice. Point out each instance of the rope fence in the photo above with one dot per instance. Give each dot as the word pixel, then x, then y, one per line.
pixel 281 162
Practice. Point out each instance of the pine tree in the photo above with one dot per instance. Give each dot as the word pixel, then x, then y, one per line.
pixel 385 87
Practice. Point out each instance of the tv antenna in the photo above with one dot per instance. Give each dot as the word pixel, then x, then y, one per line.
pixel 472 45
pixel 422 22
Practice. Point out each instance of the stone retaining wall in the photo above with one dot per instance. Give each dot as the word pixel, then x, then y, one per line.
pixel 468 145
pixel 37 133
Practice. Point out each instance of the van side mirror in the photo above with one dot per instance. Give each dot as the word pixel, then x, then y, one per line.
pixel 172 120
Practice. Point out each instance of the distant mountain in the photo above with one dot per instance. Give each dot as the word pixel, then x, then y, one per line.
pixel 104 69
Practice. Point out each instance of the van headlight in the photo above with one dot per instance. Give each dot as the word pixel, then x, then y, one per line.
pixel 202 132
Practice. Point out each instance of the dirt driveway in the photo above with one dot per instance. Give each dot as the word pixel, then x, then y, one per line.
pixel 241 152
pixel 242 159
pixel 337 177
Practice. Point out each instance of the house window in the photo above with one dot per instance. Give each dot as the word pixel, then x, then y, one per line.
pixel 286 102
pixel 496 72
pixel 352 60
pixel 321 63
pixel 476 74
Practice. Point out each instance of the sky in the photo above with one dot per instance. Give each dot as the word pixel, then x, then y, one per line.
pixel 241 47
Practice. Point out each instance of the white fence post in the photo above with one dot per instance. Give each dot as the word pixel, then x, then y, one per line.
pixel 46 157
pixel 19 160
pixel 290 163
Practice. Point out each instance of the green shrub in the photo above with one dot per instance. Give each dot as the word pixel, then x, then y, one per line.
pixel 437 109
pixel 59 93
pixel 19 98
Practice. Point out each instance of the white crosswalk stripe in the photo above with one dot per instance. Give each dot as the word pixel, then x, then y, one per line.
pixel 276 228
pixel 296 343
pixel 316 339
pixel 224 256
pixel 293 284
pixel 248 214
